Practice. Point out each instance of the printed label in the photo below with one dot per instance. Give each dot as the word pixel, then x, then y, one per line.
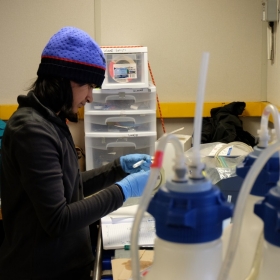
pixel 125 71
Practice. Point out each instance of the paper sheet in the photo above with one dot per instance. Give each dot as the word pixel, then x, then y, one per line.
pixel 116 235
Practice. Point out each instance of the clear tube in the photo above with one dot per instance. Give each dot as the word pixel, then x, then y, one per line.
pixel 146 197
pixel 263 132
pixel 199 107
pixel 271 109
pixel 179 154
pixel 255 269
pixel 246 147
pixel 240 206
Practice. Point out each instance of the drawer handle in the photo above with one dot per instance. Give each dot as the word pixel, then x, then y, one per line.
pixel 120 119
pixel 120 144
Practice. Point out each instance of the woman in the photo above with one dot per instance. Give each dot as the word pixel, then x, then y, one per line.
pixel 45 215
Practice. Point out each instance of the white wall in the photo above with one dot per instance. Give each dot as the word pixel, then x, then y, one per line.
pixel 25 28
pixel 177 32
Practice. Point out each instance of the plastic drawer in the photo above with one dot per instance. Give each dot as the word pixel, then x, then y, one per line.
pixel 120 121
pixel 104 148
pixel 123 99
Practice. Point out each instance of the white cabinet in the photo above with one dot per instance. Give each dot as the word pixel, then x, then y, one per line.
pixel 119 122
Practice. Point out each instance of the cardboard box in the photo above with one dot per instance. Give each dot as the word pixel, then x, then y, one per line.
pixel 122 269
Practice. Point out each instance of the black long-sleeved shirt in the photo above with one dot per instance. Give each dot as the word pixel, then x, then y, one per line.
pixel 45 215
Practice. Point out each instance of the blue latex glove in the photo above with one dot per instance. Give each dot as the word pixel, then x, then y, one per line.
pixel 133 185
pixel 141 162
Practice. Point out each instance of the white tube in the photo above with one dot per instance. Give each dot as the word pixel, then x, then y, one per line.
pixel 246 147
pixel 138 163
pixel 263 132
pixel 199 108
pixel 240 206
pixel 155 169
pixel 271 109
pixel 146 197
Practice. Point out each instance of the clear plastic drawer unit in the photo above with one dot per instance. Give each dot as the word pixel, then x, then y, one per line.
pixel 123 99
pixel 120 121
pixel 103 148
pixel 126 67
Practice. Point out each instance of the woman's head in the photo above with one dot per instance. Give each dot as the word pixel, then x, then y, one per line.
pixel 62 95
pixel 82 93
pixel 71 62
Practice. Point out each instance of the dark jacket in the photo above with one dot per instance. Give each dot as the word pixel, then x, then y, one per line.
pixel 225 126
pixel 45 214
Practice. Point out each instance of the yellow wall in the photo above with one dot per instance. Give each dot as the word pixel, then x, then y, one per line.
pixel 169 110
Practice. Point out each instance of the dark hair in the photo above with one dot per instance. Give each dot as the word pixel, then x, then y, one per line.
pixel 56 94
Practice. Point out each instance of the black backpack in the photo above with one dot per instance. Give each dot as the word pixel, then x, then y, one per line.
pixel 225 126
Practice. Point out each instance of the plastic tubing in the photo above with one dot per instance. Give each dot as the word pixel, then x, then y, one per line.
pixel 199 108
pixel 263 133
pixel 269 109
pixel 246 147
pixel 146 197
pixel 240 206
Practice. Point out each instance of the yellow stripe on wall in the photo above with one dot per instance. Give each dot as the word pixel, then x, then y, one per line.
pixel 6 111
pixel 169 110
pixel 187 110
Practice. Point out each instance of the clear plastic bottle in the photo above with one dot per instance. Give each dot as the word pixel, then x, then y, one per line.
pixel 270 262
pixel 268 210
pixel 251 230
pixel 189 218
pixel 186 261
pixel 252 226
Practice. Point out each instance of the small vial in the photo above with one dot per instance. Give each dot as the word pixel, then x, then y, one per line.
pixel 138 163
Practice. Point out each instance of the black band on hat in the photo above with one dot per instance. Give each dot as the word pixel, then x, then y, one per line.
pixel 82 73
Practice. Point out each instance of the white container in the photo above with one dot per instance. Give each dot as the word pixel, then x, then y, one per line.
pixel 123 99
pixel 102 148
pixel 126 67
pixel 251 230
pixel 120 121
pixel 185 261
pixel 270 268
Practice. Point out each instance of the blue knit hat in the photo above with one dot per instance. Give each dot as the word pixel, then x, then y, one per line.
pixel 71 53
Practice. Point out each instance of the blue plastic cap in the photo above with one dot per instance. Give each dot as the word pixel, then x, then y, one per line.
pixel 268 210
pixel 193 217
pixel 267 178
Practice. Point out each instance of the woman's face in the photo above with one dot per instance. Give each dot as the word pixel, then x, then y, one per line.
pixel 81 95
